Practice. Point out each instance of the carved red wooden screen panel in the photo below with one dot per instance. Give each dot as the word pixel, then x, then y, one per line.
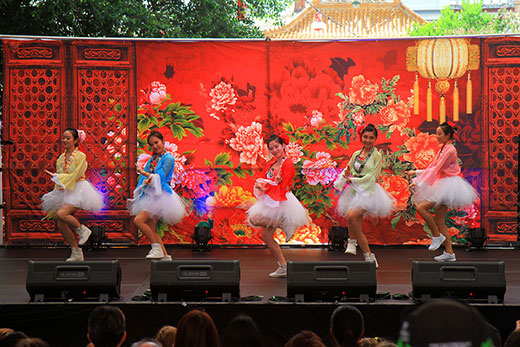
pixel 103 83
pixel 502 119
pixel 34 117
pixel 44 94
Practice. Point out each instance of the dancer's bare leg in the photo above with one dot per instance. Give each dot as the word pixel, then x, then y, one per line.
pixel 66 215
pixel 423 209
pixel 355 229
pixel 141 221
pixel 272 245
pixel 68 235
pixel 440 218
pixel 152 224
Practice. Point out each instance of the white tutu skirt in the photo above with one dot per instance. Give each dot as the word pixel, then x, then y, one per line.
pixel 288 215
pixel 84 196
pixel 168 207
pixel 377 204
pixel 454 192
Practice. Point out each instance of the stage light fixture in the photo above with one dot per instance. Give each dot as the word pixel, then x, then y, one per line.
pixel 201 237
pixel 477 239
pixel 337 237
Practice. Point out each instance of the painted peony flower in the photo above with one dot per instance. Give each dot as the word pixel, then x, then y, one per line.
pixel 321 170
pixel 422 149
pixel 362 91
pixel 222 96
pixel 398 188
pixel 249 143
pixel 358 117
pixel 396 116
pixel 294 152
pixel 157 93
pixel 230 196
pixel 315 118
pixel 199 182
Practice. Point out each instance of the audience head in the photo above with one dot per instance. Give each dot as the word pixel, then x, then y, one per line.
pixel 369 342
pixel 305 338
pixel 166 335
pixel 196 329
pixel 347 325
pixel 147 343
pixel 11 339
pixel 32 342
pixel 513 340
pixel 242 331
pixel 5 331
pixel 106 326
pixel 444 322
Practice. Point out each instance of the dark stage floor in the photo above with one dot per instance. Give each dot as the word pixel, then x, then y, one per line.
pixel 277 320
pixel 393 275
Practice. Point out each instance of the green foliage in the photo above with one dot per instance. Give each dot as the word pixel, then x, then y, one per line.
pixel 179 118
pixel 224 169
pixel 138 18
pixel 470 20
pixel 346 128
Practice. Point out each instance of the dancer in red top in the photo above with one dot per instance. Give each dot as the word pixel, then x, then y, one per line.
pixel 440 186
pixel 276 205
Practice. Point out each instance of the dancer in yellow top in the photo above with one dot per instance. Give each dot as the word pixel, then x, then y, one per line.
pixel 71 193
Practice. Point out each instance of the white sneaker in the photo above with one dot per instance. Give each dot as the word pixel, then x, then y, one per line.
pixel 280 272
pixel 155 253
pixel 445 257
pixel 83 233
pixel 166 258
pixel 371 257
pixel 351 246
pixel 436 242
pixel 75 255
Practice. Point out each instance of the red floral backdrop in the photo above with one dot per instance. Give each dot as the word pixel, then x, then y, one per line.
pixel 216 102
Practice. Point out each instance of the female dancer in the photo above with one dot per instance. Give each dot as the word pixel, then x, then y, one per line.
pixel 71 193
pixel 440 186
pixel 364 196
pixel 276 205
pixel 154 198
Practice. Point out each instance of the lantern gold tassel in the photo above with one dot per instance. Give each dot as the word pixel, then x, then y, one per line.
pixel 469 91
pixel 442 110
pixel 416 95
pixel 429 102
pixel 455 102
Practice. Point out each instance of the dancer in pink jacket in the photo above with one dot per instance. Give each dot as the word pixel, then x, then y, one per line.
pixel 440 186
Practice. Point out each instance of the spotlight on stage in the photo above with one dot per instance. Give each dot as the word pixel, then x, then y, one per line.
pixel 337 238
pixel 201 237
pixel 477 239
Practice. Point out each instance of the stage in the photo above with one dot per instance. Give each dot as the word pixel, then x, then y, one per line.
pixel 278 320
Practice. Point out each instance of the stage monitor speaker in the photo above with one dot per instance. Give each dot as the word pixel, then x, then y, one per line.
pixel 331 280
pixel 62 280
pixel 472 281
pixel 195 280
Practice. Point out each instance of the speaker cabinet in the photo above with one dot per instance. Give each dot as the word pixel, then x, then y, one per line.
pixel 462 280
pixel 195 280
pixel 62 280
pixel 331 280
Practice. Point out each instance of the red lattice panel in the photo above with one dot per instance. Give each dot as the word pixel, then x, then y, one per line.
pixel 34 126
pixel 504 113
pixel 103 114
